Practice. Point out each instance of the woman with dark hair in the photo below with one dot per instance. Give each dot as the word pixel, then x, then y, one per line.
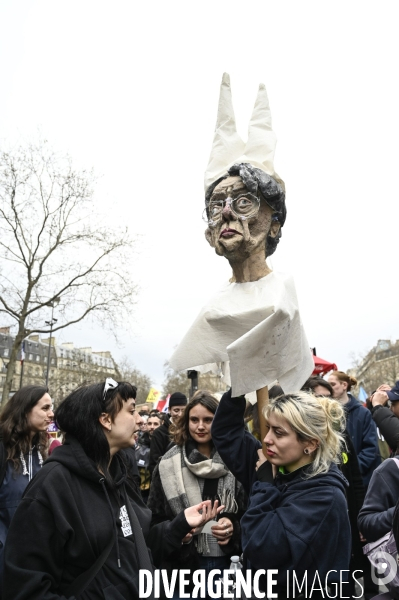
pixel 86 511
pixel 23 447
pixel 189 472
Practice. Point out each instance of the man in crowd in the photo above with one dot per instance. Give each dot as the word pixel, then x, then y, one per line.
pixel 153 423
pixel 354 494
pixel 359 424
pixel 143 428
pixel 385 416
pixel 160 439
pixel 142 453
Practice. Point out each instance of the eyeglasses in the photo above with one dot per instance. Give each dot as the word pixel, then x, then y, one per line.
pixel 245 206
pixel 110 384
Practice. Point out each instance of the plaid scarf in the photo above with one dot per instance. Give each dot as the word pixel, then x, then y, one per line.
pixel 179 475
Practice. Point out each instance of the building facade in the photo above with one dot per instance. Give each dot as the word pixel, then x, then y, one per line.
pixel 69 366
pixel 380 365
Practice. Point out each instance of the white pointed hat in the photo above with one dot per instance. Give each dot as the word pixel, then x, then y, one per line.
pixel 228 148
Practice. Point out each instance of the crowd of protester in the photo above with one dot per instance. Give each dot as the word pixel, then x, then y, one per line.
pixel 129 490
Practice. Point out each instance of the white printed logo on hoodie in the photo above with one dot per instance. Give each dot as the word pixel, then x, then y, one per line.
pixel 125 523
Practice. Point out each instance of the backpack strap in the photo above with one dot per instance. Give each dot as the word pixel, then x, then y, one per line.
pixel 396 461
pixel 87 577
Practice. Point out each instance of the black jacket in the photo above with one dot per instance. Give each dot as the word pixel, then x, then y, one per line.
pixel 159 443
pixel 376 517
pixel 12 487
pixel 133 469
pixel 142 456
pixel 65 521
pixel 291 523
pixel 355 498
pixel 388 424
pixel 363 433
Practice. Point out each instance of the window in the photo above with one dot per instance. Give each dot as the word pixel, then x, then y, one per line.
pixel 37 358
pixel 6 351
pixel 30 357
pixel 45 359
pixel 52 361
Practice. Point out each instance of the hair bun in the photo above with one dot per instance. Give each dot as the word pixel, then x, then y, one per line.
pixel 343 377
pixel 334 412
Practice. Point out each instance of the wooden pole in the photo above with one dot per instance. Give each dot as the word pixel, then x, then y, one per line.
pixel 262 396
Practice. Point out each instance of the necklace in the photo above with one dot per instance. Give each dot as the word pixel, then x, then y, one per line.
pixel 25 470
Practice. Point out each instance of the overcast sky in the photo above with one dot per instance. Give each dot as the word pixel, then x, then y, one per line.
pixel 131 89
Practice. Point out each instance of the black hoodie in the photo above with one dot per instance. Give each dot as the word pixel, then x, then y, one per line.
pixel 292 522
pixel 159 443
pixel 64 522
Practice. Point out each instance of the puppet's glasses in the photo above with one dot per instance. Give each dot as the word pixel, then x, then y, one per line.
pixel 110 384
pixel 245 206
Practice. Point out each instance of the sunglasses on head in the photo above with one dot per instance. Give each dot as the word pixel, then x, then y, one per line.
pixel 110 384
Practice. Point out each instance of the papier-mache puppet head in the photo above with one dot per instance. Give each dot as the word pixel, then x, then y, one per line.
pixel 244 196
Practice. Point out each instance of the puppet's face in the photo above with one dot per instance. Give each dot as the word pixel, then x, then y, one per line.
pixel 236 234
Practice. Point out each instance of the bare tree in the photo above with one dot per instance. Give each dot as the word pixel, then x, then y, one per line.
pixel 379 372
pixel 175 381
pixel 134 376
pixel 377 367
pixel 52 248
pixel 78 368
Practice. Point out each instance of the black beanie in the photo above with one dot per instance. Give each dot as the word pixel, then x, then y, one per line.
pixel 177 399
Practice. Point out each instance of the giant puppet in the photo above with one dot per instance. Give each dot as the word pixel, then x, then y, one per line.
pixel 251 328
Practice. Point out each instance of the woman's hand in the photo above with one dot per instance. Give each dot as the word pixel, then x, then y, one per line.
pixel 362 538
pixel 384 388
pixel 223 531
pixel 262 458
pixel 200 514
pixel 188 537
pixel 379 398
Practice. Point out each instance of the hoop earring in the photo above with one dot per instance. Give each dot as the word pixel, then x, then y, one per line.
pixel 306 451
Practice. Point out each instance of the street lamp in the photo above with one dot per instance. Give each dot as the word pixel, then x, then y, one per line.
pixel 193 375
pixel 52 322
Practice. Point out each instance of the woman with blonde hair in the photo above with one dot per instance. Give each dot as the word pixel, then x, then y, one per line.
pixel 296 521
pixel 359 424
